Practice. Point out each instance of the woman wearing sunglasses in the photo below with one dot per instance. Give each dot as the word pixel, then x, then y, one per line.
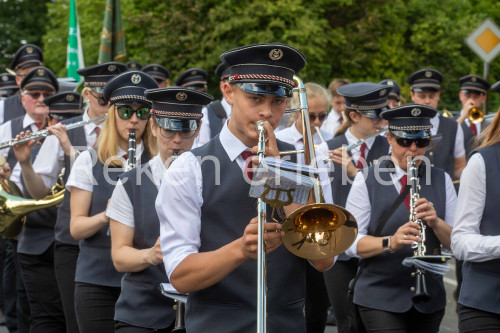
pixel 476 234
pixel 383 291
pixel 135 228
pixel 317 101
pixel 364 101
pixel 91 182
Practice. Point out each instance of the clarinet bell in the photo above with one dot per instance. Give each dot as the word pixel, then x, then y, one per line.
pixel 421 294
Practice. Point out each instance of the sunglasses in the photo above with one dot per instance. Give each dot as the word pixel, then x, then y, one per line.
pixel 420 143
pixel 36 95
pixel 321 117
pixel 100 99
pixel 126 112
pixel 185 134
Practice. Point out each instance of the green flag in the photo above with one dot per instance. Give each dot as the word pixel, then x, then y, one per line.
pixel 112 38
pixel 74 58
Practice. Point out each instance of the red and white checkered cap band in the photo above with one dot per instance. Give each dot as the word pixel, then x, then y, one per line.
pixel 177 114
pixel 238 77
pixel 129 97
pixel 94 84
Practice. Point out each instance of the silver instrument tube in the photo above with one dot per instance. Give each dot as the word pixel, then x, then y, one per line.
pixel 261 251
pixel 131 150
pixel 44 133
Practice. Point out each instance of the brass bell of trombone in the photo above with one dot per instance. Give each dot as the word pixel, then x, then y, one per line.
pixel 317 230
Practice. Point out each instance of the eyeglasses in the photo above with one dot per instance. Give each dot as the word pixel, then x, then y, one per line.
pixel 100 99
pixel 420 142
pixel 185 134
pixel 126 112
pixel 321 117
pixel 36 95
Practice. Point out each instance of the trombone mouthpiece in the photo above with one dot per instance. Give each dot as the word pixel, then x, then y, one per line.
pixel 259 125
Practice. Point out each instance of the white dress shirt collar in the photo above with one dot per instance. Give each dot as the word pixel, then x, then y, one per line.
pixel 231 144
pixel 27 121
pixel 352 139
pixel 158 169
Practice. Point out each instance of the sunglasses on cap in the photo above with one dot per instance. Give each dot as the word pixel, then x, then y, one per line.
pixel 419 142
pixel 36 95
pixel 100 99
pixel 126 112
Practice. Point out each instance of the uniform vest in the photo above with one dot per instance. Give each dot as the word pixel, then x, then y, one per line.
pixel 94 265
pixel 341 183
pixel 230 305
pixel 38 231
pixel 140 289
pixel 77 138
pixel 384 283
pixel 13 108
pixel 16 127
pixel 481 280
pixel 468 139
pixel 441 156
pixel 216 117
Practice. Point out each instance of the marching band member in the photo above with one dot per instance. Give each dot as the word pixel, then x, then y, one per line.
pixel 364 102
pixel 448 151
pixel 91 183
pixel 476 234
pixel 335 118
pixel 394 97
pixel 135 228
pixel 159 73
pixel 209 254
pixel 382 291
pixel 58 151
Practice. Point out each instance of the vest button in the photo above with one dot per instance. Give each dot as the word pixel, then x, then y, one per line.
pixel 431 153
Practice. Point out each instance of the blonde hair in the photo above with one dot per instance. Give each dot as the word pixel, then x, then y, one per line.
pixel 336 84
pixel 107 141
pixel 313 90
pixel 491 135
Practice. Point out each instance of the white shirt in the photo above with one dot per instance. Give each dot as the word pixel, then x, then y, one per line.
pixel 358 203
pixel 467 242
pixel 2 109
pixel 467 122
pixel 332 122
pixel 81 172
pixel 205 134
pixel 292 136
pixel 180 199
pixel 459 138
pixel 50 159
pixel 6 135
pixel 120 207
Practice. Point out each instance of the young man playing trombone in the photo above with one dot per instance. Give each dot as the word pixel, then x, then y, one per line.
pixel 208 227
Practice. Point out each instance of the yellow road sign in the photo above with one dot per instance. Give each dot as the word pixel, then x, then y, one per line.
pixel 485 40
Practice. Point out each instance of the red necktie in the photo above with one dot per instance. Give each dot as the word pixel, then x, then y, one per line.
pixel 362 157
pixel 473 128
pixel 341 120
pixel 248 167
pixel 125 156
pixel 97 130
pixel 38 125
pixel 404 182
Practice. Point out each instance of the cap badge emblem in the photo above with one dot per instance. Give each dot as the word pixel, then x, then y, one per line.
pixel 40 72
pixel 276 54
pixel 136 78
pixel 133 65
pixel 473 79
pixel 416 112
pixel 155 68
pixel 111 68
pixel 70 98
pixel 428 74
pixel 181 96
pixel 390 83
pixel 4 78
pixel 382 92
pixel 29 49
pixel 193 73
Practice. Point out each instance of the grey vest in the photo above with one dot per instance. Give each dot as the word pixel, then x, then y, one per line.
pixel 38 232
pixel 140 289
pixel 384 282
pixel 468 139
pixel 13 108
pixel 480 286
pixel 16 127
pixel 62 233
pixel 94 265
pixel 230 305
pixel 216 117
pixel 441 155
pixel 340 189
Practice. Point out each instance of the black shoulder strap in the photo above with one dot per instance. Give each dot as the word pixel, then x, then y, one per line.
pixel 390 211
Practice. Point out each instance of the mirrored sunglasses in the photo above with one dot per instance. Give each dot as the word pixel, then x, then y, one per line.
pixel 126 112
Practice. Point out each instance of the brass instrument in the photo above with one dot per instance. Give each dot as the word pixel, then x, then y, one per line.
pixel 421 294
pixel 44 133
pixel 131 150
pixel 447 114
pixel 360 142
pixel 317 230
pixel 14 208
pixel 475 115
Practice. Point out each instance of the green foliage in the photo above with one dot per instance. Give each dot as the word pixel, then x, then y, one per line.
pixel 358 39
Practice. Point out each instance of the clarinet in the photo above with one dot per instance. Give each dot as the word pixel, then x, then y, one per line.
pixel 180 309
pixel 421 294
pixel 131 150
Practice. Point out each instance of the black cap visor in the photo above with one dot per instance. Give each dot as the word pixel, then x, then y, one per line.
pixel 265 89
pixel 176 124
